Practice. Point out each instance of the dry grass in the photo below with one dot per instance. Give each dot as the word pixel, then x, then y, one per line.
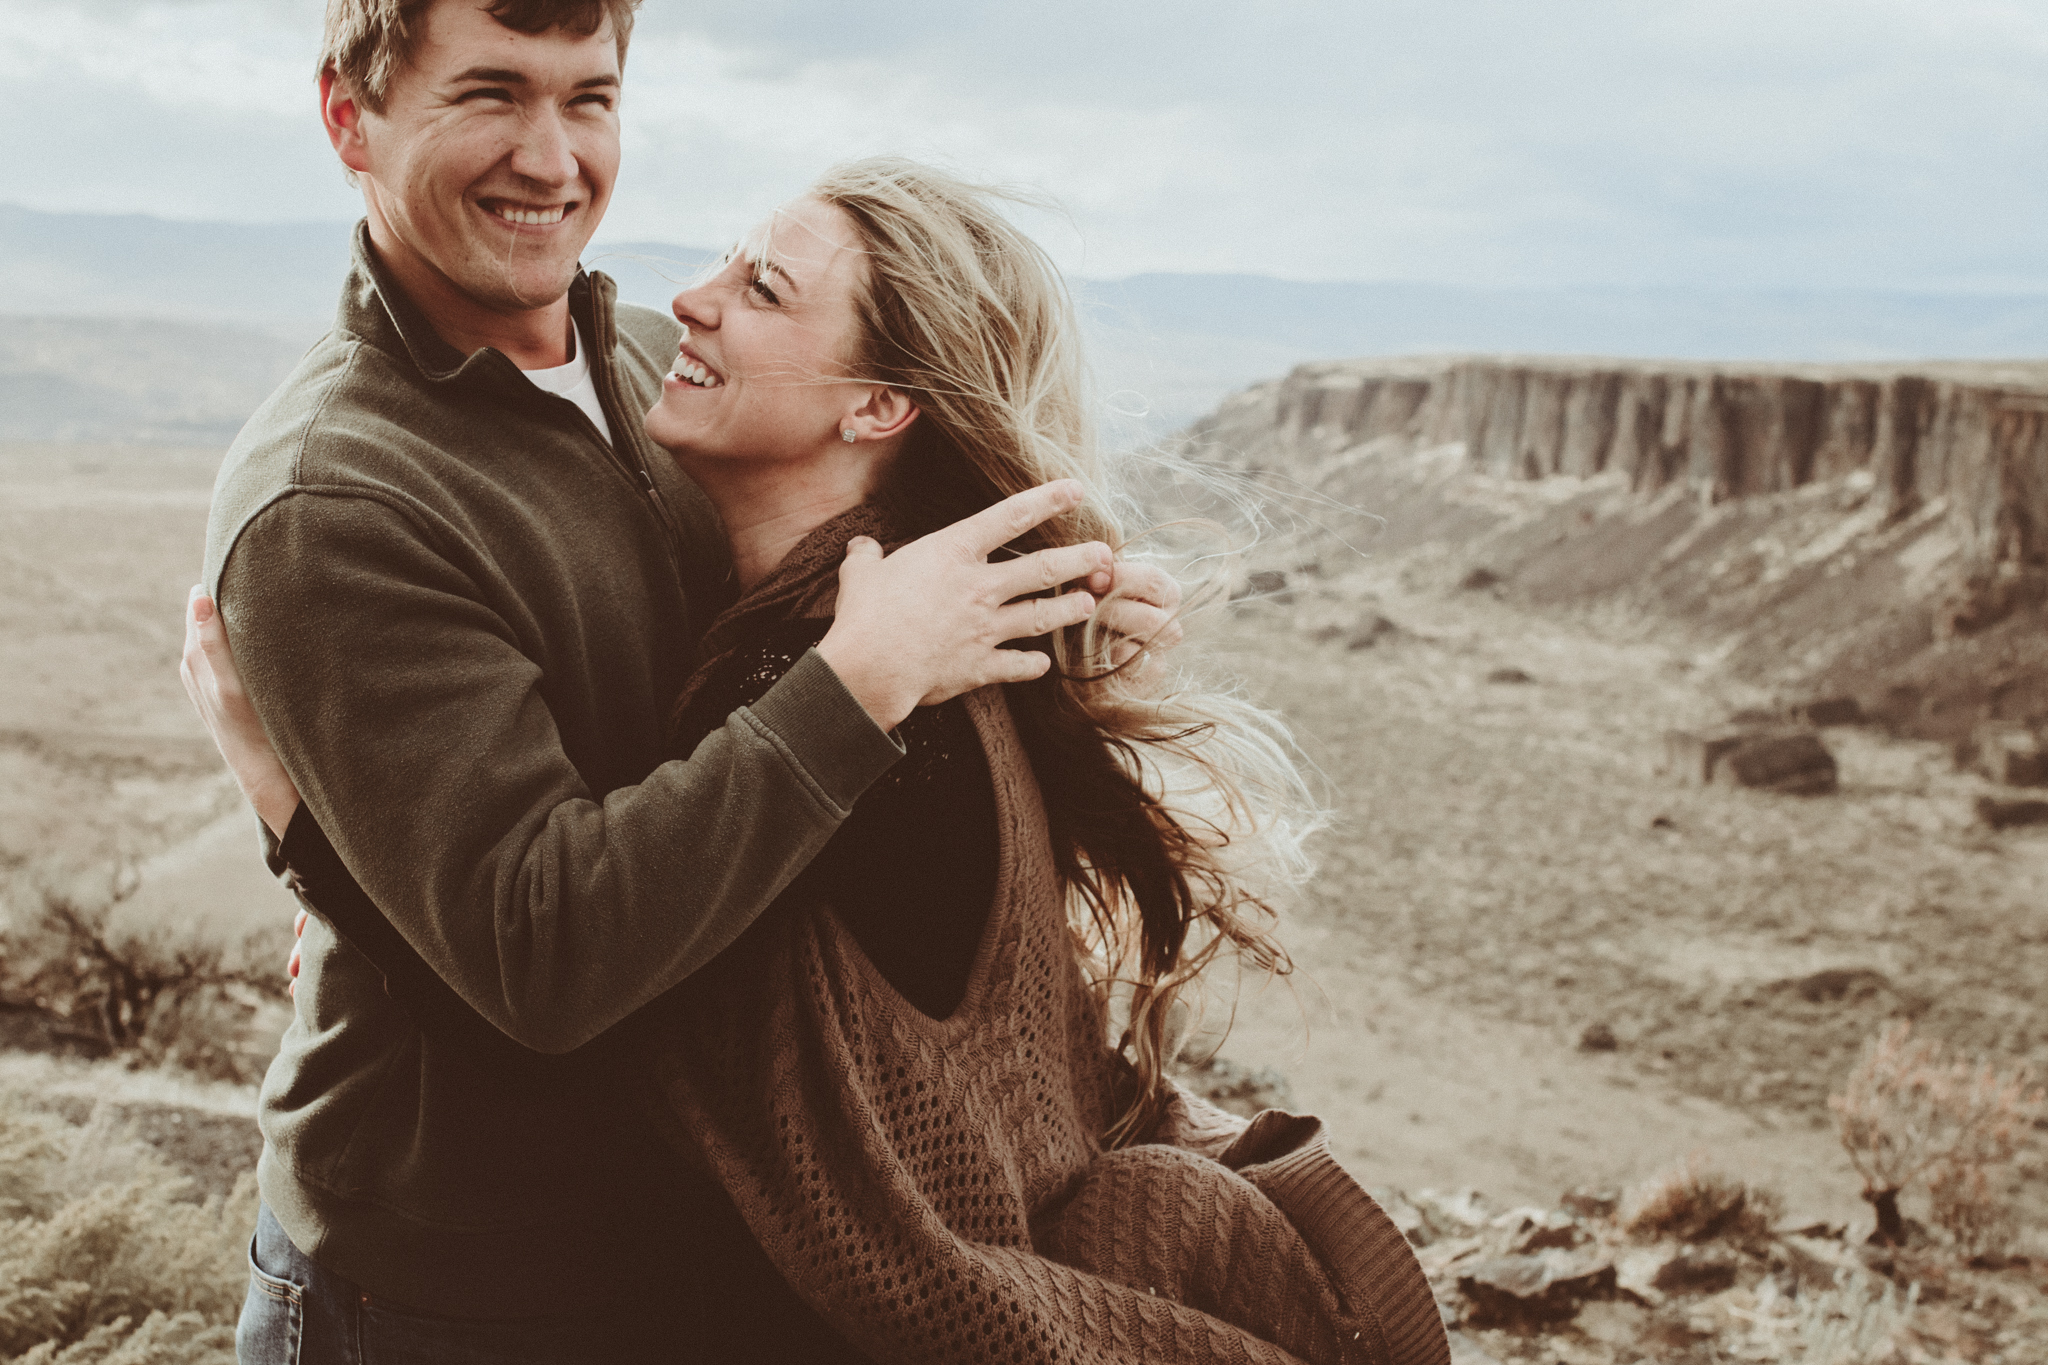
pixel 1694 1203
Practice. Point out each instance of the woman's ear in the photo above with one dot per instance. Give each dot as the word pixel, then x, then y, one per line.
pixel 885 412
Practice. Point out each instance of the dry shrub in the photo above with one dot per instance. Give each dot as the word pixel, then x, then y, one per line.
pixel 1692 1203
pixel 1977 1216
pixel 1911 1112
pixel 100 1235
pixel 108 990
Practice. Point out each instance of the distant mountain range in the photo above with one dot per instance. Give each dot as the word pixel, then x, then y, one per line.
pixel 1167 347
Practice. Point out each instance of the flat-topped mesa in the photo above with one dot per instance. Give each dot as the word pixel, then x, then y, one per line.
pixel 1973 433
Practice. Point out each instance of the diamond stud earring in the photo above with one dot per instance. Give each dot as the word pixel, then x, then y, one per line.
pixel 846 435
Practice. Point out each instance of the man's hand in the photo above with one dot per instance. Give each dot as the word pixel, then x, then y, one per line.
pixel 215 687
pixel 923 625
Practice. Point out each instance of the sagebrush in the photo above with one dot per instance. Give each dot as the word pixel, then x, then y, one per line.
pixel 105 1257
pixel 147 992
pixel 1912 1112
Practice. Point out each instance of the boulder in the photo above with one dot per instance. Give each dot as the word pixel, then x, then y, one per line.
pixel 1828 711
pixel 1540 1287
pixel 1370 632
pixel 2011 814
pixel 1767 757
pixel 2010 753
pixel 1792 762
pixel 1691 756
pixel 1479 580
pixel 1598 1038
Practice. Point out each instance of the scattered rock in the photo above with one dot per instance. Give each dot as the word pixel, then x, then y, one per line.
pixel 1697 1270
pixel 1815 1263
pixel 1403 1214
pixel 2011 814
pixel 1265 583
pixel 1635 1273
pixel 1828 711
pixel 1452 1215
pixel 1465 1351
pixel 1598 1038
pixel 1322 635
pixel 1590 1203
pixel 1533 1229
pixel 1837 984
pixel 1479 580
pixel 1544 1287
pixel 1371 632
pixel 1663 822
pixel 1510 675
pixel 1240 1089
pixel 2010 753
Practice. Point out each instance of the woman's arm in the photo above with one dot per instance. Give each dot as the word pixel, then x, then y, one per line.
pixel 215 687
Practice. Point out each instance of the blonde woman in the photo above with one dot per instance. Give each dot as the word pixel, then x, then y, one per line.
pixel 911 1134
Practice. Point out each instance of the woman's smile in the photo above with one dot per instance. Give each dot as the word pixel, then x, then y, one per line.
pixel 691 371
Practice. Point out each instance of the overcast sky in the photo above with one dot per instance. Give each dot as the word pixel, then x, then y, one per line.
pixel 1740 143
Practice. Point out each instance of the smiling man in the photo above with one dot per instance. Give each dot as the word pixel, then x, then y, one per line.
pixel 464 589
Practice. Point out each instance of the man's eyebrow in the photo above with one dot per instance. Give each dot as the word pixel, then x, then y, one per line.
pixel 495 75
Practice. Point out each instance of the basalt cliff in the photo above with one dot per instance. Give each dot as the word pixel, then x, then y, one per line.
pixel 1877 531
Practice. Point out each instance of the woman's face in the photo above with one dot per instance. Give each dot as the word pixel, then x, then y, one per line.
pixel 762 373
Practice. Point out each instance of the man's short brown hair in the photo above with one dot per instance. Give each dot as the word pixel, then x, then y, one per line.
pixel 368 42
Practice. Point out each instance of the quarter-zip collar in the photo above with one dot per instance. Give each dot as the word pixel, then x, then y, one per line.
pixel 377 309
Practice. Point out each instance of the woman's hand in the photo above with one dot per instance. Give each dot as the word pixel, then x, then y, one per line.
pixel 215 687
pixel 1140 608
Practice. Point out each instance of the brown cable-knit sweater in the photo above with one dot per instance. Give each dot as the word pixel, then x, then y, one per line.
pixel 937 1189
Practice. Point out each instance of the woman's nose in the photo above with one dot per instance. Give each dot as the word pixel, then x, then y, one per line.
pixel 697 308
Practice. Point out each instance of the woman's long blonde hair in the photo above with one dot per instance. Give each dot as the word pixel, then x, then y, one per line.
pixel 1175 812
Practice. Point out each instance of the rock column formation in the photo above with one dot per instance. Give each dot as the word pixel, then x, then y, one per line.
pixel 1722 431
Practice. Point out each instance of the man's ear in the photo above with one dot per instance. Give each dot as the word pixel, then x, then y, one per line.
pixel 886 412
pixel 342 115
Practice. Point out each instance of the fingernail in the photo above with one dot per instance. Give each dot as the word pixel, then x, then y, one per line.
pixel 202 610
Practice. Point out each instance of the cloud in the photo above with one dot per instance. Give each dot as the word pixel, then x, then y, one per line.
pixel 1744 142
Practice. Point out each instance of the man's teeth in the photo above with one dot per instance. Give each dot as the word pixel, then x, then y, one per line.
pixel 532 217
pixel 696 374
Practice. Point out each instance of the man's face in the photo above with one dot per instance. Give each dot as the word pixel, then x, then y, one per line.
pixel 495 154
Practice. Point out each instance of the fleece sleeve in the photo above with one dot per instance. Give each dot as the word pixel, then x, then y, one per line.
pixel 415 727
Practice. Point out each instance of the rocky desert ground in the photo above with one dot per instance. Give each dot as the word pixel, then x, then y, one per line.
pixel 1534 961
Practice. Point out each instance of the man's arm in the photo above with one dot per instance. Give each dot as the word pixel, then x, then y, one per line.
pixel 415 729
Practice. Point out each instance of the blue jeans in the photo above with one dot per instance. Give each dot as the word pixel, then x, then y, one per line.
pixel 298 1313
pixel 732 1312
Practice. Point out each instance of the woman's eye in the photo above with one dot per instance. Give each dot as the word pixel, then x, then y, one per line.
pixel 761 288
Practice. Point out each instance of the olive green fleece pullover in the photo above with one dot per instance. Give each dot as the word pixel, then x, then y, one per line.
pixel 463 618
